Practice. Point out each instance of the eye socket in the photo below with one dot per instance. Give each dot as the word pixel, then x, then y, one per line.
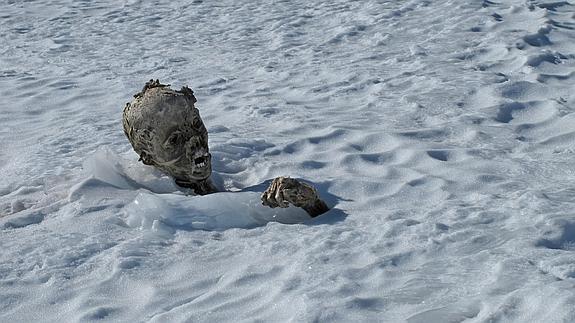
pixel 173 139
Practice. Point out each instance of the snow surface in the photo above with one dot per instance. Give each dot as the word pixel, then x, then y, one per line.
pixel 441 132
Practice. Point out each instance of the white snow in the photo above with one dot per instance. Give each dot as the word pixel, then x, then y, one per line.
pixel 441 132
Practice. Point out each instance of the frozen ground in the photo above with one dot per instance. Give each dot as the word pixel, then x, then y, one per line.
pixel 442 132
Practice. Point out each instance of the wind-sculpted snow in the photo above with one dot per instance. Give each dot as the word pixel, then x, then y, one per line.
pixel 441 132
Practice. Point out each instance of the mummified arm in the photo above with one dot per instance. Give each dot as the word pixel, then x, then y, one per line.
pixel 284 191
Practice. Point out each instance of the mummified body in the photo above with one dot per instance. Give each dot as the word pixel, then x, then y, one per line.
pixel 166 131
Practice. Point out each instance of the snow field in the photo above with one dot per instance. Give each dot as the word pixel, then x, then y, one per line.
pixel 441 132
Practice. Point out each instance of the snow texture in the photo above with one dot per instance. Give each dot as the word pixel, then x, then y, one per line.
pixel 441 132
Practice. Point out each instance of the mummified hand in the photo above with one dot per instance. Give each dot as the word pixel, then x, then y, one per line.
pixel 284 191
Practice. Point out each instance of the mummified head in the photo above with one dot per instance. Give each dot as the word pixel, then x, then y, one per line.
pixel 165 129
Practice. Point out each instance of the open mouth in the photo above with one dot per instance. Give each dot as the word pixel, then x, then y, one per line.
pixel 202 161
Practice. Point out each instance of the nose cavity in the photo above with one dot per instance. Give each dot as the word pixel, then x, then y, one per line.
pixel 193 142
pixel 193 146
pixel 196 152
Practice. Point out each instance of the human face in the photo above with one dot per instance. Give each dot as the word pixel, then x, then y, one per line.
pixel 179 144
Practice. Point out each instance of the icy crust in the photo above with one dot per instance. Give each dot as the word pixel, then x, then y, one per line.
pixel 155 203
pixel 220 211
pixel 163 207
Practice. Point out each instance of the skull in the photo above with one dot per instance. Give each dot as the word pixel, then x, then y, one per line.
pixel 165 129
